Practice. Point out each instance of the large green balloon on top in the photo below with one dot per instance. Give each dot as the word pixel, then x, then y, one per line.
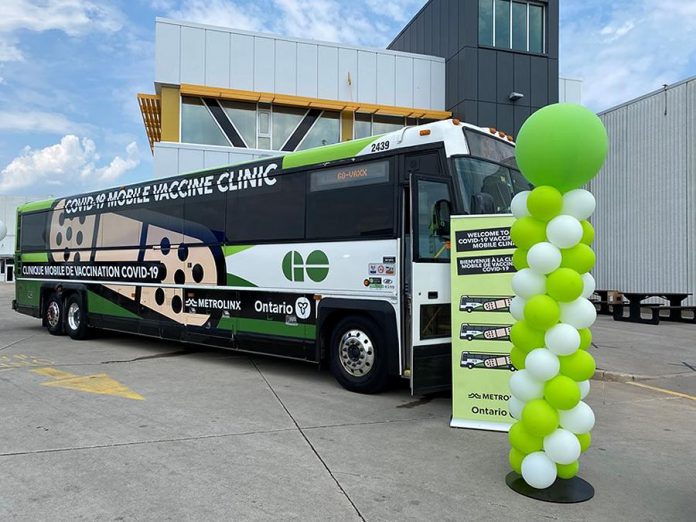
pixel 562 145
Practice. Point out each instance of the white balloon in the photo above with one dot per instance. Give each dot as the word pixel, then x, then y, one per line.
pixel 579 420
pixel 527 283
pixel 584 388
pixel 525 387
pixel 578 203
pixel 517 307
pixel 518 205
pixel 562 339
pixel 515 406
pixel 564 231
pixel 538 470
pixel 544 258
pixel 580 313
pixel 562 447
pixel 542 364
pixel 588 285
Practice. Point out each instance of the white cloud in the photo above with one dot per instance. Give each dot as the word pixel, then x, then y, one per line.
pixel 74 17
pixel 218 12
pixel 67 166
pixel 38 121
pixel 624 49
pixel 10 52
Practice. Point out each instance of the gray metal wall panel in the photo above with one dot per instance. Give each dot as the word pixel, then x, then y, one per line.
pixel 505 79
pixel 487 114
pixel 404 80
pixel 552 92
pixel 285 67
pixel 540 84
pixel 552 14
pixel 645 217
pixel 468 73
pixel 328 72
pixel 452 15
pixel 215 158
pixel 264 64
pixel 241 62
pixel 691 187
pixel 505 117
pixel 307 70
pixel 486 75
pixel 217 58
pixel 522 79
pixel 347 64
pixel 421 82
pixel 168 52
pixel 451 83
pixel 521 113
pixel 367 77
pixel 192 55
pixel 426 23
pixel 437 85
pixel 386 79
pixel 190 160
pixel 166 161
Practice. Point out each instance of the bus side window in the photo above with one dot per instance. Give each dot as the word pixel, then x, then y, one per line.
pixel 33 232
pixel 268 212
pixel 432 240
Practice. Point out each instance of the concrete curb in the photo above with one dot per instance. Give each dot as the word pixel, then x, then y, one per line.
pixel 613 376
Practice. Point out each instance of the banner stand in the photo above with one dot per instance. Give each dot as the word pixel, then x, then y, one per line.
pixel 562 491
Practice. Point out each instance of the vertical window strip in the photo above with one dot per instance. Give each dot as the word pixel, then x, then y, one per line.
pixel 224 123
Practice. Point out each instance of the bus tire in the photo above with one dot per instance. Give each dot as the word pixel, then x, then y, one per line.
pixel 358 355
pixel 76 318
pixel 54 314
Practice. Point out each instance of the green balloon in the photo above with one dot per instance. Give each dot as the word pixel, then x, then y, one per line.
pixel 522 440
pixel 564 285
pixel 562 145
pixel 541 312
pixel 579 366
pixel 544 203
pixel 562 392
pixel 585 441
pixel 519 259
pixel 567 471
pixel 517 357
pixel 527 231
pixel 526 338
pixel 580 258
pixel 515 457
pixel 587 232
pixel 585 338
pixel 539 418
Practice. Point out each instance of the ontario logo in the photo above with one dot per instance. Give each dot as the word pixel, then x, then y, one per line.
pixel 316 266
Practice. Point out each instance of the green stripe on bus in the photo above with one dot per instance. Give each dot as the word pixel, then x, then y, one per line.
pixel 231 250
pixel 36 257
pixel 264 326
pixel 100 305
pixel 36 205
pixel 342 150
pixel 233 280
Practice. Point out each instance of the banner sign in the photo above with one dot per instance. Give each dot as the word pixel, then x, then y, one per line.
pixel 481 276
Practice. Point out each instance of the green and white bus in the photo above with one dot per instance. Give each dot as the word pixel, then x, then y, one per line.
pixel 337 255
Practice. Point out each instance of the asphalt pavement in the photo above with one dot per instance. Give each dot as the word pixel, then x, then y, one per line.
pixel 126 428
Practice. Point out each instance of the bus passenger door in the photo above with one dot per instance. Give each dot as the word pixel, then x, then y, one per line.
pixel 431 204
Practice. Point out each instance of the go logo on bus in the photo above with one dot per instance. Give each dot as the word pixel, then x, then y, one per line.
pixel 316 267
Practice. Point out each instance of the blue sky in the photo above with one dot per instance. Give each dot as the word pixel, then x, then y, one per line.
pixel 70 69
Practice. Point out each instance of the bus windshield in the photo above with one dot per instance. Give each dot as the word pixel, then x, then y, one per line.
pixel 489 178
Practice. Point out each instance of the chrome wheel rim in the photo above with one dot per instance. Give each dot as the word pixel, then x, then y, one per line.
pixel 74 316
pixel 356 353
pixel 53 314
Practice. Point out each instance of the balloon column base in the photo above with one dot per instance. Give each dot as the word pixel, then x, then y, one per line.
pixel 563 491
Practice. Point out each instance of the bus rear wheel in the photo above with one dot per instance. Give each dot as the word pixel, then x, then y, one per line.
pixel 358 355
pixel 53 315
pixel 76 318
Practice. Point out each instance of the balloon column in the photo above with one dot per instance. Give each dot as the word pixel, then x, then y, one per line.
pixel 559 149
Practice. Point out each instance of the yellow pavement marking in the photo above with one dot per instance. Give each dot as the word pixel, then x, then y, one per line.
pixel 100 383
pixel 669 392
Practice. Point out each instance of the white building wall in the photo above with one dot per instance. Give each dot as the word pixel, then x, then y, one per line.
pixel 569 90
pixel 8 215
pixel 230 58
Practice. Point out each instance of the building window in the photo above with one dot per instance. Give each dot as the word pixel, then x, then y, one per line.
pixel 198 124
pixel 243 117
pixel 373 124
pixel 512 25
pixel 325 131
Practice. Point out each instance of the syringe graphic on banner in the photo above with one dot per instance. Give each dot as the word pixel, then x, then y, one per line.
pixel 559 148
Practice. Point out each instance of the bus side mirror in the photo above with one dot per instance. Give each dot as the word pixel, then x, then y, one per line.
pixel 442 210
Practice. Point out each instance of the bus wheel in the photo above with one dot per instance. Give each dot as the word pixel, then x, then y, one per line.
pixel 53 315
pixel 75 318
pixel 358 356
